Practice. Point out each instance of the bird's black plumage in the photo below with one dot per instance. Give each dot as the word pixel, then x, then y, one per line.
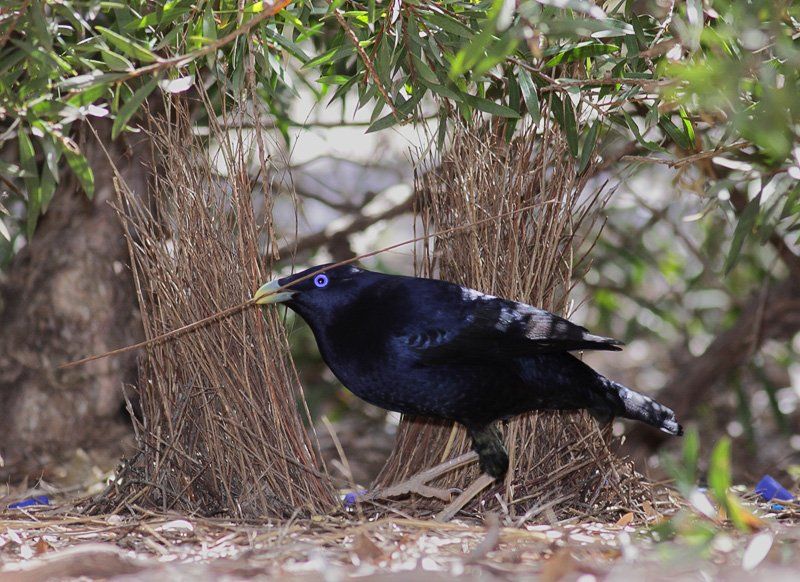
pixel 432 348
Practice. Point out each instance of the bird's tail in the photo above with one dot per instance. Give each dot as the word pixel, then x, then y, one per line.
pixel 630 404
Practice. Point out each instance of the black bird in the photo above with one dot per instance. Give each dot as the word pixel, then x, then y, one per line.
pixel 432 348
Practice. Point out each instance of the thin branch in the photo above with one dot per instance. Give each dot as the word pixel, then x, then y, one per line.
pixel 367 62
pixel 10 30
pixel 681 162
pixel 359 223
pixel 270 124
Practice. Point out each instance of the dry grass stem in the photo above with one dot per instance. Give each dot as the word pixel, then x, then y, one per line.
pixel 217 423
pixel 560 462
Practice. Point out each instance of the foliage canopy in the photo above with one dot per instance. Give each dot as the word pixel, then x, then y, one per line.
pixel 679 79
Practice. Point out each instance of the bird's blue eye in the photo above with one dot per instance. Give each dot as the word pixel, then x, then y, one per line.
pixel 321 280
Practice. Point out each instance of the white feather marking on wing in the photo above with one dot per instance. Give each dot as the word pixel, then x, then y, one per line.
pixel 472 295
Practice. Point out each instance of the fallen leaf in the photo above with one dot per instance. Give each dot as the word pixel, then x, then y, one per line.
pixel 41 547
pixel 651 513
pixel 625 520
pixel 366 549
pixel 559 566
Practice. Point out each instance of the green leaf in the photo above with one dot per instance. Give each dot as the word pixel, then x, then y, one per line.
pixel 385 122
pixel 80 167
pixel 675 134
pixel 688 128
pixel 471 54
pixel 87 96
pixel 629 122
pixel 491 107
pixel 333 79
pixel 131 105
pixel 588 146
pixel 529 94
pixel 442 90
pixel 27 156
pixel 290 47
pixel 423 70
pixel 47 187
pixel 128 46
pixel 448 24
pixel 330 56
pixel 403 112
pixel 719 470
pixel 27 160
pixel 744 227
pixel 514 102
pixel 115 62
pixel 565 116
pixel 577 52
pixel 691 455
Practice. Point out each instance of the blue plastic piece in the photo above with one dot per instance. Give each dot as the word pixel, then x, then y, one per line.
pixel 777 507
pixel 30 502
pixel 770 489
pixel 349 500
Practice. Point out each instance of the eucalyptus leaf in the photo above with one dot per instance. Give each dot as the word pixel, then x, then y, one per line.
pixel 491 107
pixel 80 167
pixel 588 146
pixel 130 47
pixel 131 106
pixel 744 227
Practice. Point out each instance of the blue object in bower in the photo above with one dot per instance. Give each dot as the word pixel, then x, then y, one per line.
pixel 349 499
pixel 30 502
pixel 770 489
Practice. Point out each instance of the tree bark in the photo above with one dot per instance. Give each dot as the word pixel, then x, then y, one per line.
pixel 68 293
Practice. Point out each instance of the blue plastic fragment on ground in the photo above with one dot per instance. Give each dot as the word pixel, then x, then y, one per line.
pixel 349 500
pixel 30 502
pixel 777 507
pixel 770 489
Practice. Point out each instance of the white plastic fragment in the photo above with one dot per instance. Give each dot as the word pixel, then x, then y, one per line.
pixel 756 551
pixel 177 524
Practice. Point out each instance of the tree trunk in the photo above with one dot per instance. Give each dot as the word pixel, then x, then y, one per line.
pixel 68 293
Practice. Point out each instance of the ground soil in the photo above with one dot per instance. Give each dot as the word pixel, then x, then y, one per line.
pixel 58 542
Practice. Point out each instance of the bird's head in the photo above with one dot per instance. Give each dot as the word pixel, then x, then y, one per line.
pixel 318 290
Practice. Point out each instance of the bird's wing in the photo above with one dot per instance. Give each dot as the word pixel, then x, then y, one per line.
pixel 489 328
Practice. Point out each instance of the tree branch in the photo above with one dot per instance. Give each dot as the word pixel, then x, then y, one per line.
pixel 360 222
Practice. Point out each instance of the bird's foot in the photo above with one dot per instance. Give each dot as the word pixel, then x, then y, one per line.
pixel 418 483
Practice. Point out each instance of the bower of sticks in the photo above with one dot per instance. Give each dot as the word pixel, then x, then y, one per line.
pixel 227 461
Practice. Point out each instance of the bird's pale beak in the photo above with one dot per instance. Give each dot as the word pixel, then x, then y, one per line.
pixel 268 293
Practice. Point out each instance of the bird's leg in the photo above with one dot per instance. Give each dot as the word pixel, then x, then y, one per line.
pixel 488 444
pixel 419 483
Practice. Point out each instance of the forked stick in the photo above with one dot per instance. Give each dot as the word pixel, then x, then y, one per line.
pixel 419 483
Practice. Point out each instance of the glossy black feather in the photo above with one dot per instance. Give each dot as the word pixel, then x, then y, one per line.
pixel 433 348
